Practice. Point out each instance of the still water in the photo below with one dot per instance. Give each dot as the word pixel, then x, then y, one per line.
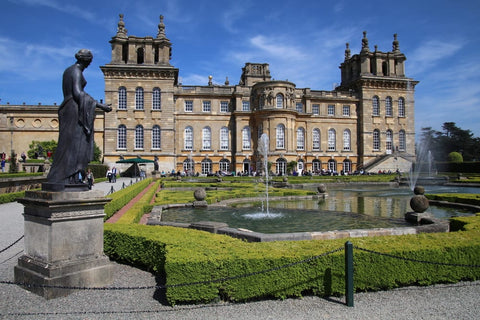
pixel 347 208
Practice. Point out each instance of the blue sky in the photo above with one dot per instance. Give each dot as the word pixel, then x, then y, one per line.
pixel 303 41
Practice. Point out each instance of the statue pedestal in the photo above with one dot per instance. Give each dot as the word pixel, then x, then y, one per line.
pixel 63 243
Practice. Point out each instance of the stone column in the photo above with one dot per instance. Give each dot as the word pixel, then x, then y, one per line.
pixel 63 242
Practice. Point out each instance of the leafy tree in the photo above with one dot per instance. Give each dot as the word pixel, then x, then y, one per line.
pixel 450 139
pixel 40 148
pixel 455 157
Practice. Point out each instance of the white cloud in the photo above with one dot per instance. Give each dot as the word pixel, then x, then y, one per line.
pixel 431 52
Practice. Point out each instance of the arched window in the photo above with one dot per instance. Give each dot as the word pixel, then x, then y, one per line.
pixel 279 101
pixel 280 135
pixel 206 166
pixel 188 138
pixel 224 165
pixel 402 142
pixel 122 98
pixel 188 166
pixel 389 141
pixel 224 145
pixel 332 139
pixel 346 140
pixel 156 99
pixel 401 107
pixel 375 106
pixel 300 139
pixel 122 137
pixel 376 140
pixel 316 139
pixel 281 167
pixel 139 98
pixel 347 166
pixel 316 166
pixel 246 138
pixel 388 107
pixel 138 137
pixel 206 138
pixel 332 165
pixel 156 141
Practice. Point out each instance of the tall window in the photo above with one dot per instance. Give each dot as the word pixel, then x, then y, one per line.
pixel 299 107
pixel 388 107
pixel 188 138
pixel 156 141
pixel 375 106
pixel 188 105
pixel 122 137
pixel 188 166
pixel 389 141
pixel 245 105
pixel 206 166
pixel 224 165
pixel 138 137
pixel 280 135
pixel 402 142
pixel 206 138
pixel 376 140
pixel 315 109
pixel 332 139
pixel 223 106
pixel 347 166
pixel 346 111
pixel 300 139
pixel 246 135
pixel 346 140
pixel 331 110
pixel 401 107
pixel 156 99
pixel 280 101
pixel 206 106
pixel 224 138
pixel 122 98
pixel 332 165
pixel 316 139
pixel 281 166
pixel 316 165
pixel 139 99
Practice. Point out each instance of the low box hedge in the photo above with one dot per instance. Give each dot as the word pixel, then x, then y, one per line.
pixel 122 197
pixel 191 256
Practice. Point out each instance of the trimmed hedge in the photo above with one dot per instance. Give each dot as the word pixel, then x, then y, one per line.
pixel 188 256
pixel 11 197
pixel 142 206
pixel 122 197
pixel 467 198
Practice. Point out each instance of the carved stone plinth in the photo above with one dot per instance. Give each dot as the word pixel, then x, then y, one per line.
pixel 63 242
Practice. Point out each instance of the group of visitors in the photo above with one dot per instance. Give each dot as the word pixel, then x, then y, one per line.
pixel 112 175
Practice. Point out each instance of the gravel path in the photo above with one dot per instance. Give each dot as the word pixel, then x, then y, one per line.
pixel 457 301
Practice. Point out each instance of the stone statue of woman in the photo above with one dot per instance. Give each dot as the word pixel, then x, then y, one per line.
pixel 76 115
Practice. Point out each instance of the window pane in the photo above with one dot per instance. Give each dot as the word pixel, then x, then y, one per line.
pixel 316 139
pixel 388 107
pixel 246 138
pixel 188 143
pixel 375 106
pixel 122 137
pixel 156 99
pixel 401 107
pixel 224 138
pixel 207 107
pixel 331 110
pixel 376 140
pixel 300 139
pixel 346 111
pixel 122 98
pixel 138 137
pixel 279 101
pixel 188 106
pixel 223 106
pixel 280 136
pixel 139 99
pixel 245 105
pixel 346 140
pixel 206 138
pixel 316 109
pixel 331 140
pixel 156 137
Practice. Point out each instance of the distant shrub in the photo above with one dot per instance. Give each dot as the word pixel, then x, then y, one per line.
pixel 455 157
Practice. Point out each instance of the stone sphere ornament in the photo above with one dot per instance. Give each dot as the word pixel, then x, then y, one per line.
pixel 419 190
pixel 322 188
pixel 200 194
pixel 419 203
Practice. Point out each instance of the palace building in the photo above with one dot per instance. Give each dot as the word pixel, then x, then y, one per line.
pixel 367 122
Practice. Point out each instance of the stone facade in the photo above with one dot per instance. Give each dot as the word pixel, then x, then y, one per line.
pixel 367 120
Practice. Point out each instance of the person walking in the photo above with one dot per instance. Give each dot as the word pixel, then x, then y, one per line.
pixel 90 179
pixel 3 164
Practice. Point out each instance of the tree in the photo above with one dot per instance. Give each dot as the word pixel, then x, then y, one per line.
pixel 455 157
pixel 40 148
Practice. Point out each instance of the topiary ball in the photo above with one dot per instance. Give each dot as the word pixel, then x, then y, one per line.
pixel 200 194
pixel 419 203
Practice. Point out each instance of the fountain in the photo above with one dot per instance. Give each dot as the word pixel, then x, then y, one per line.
pixel 263 145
